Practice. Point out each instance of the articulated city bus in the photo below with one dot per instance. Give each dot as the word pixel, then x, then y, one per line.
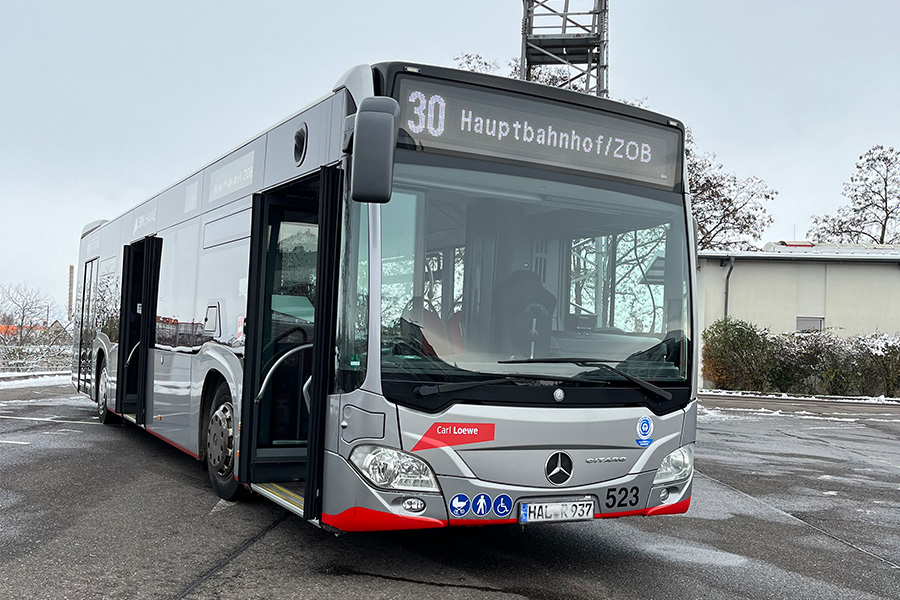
pixel 431 298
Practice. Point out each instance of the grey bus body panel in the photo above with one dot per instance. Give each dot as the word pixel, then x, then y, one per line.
pixel 523 438
pixel 215 199
pixel 359 81
pixel 602 442
pixel 689 433
pixel 363 417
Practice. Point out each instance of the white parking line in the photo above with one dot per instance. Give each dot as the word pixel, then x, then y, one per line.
pixel 11 442
pixel 222 505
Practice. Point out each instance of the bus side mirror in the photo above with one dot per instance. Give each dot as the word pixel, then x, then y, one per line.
pixel 374 140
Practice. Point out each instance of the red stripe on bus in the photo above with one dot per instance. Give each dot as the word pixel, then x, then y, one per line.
pixel 360 518
pixel 615 515
pixel 168 441
pixel 666 509
pixel 670 509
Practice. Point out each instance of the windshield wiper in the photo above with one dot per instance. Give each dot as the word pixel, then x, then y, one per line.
pixel 661 393
pixel 423 391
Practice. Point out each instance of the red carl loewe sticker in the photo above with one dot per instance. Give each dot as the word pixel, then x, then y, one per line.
pixel 455 434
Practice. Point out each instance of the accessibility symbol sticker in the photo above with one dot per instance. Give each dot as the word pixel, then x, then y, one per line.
pixel 502 505
pixel 459 505
pixel 644 431
pixel 481 505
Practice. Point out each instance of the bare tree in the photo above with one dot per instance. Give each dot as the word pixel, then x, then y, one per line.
pixel 729 211
pixel 28 333
pixel 873 215
pixel 28 313
pixel 553 76
pixel 560 76
pixel 476 63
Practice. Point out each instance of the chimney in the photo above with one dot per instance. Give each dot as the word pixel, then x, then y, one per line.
pixel 71 290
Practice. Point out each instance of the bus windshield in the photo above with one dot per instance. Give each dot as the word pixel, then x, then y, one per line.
pixel 492 269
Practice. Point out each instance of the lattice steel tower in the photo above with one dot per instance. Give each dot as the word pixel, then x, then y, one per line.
pixel 568 33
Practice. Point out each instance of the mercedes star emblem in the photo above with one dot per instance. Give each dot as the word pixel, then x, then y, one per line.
pixel 558 468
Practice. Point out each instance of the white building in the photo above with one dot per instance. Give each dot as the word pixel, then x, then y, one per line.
pixel 790 286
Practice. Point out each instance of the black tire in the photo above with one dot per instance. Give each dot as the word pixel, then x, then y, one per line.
pixel 219 439
pixel 106 416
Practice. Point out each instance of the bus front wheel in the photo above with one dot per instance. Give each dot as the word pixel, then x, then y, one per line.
pixel 220 445
pixel 103 413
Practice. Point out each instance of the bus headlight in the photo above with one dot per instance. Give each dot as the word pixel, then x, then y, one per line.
pixel 675 466
pixel 393 469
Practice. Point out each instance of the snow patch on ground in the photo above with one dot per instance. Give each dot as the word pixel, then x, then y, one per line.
pixel 42 381
pixel 710 415
pixel 859 399
pixel 18 375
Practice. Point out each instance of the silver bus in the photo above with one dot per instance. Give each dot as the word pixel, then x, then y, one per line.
pixel 431 298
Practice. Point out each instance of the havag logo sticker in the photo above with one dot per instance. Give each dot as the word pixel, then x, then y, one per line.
pixel 645 432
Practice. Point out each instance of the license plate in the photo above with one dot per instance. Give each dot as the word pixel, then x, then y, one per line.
pixel 541 512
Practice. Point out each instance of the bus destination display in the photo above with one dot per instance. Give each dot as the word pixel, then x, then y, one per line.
pixel 464 118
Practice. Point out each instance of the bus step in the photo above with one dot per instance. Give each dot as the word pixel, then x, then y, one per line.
pixel 286 495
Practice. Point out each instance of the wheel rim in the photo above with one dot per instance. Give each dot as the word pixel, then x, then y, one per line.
pixel 103 391
pixel 220 440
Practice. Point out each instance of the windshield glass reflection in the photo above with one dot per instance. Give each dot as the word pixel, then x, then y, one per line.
pixel 482 268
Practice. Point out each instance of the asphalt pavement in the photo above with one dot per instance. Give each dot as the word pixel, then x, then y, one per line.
pixel 792 499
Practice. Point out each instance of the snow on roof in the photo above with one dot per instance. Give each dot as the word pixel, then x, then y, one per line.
pixel 831 248
pixel 813 251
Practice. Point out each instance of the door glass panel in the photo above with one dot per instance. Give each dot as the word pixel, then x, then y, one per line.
pixel 288 320
pixel 353 297
pixel 87 330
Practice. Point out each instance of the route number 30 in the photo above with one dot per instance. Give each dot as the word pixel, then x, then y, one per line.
pixel 431 113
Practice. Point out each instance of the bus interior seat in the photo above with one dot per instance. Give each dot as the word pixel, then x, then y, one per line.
pixel 525 311
pixel 429 336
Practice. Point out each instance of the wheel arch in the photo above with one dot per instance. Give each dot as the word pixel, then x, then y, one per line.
pixel 214 378
pixel 99 359
pixel 213 365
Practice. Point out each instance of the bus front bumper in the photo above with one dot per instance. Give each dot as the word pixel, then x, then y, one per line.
pixel 351 504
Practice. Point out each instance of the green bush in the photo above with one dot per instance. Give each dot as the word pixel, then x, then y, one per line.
pixel 738 355
pixel 814 362
pixel 880 362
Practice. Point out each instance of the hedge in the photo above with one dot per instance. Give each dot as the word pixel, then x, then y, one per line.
pixel 738 355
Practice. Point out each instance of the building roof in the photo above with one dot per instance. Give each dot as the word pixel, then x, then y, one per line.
pixel 811 252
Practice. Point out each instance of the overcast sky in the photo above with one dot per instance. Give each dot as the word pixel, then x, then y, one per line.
pixel 104 104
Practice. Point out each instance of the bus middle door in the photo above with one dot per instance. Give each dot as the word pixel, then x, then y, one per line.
pixel 140 283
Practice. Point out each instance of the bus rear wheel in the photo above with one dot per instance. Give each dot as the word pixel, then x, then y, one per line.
pixel 220 445
pixel 106 416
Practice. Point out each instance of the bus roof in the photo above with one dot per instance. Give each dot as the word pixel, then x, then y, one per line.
pixel 366 80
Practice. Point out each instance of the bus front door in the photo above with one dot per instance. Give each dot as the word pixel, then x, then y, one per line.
pixel 287 300
pixel 137 329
